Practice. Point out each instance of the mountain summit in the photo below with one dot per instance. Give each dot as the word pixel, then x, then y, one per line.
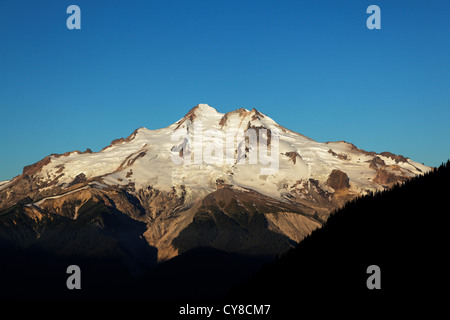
pixel 202 181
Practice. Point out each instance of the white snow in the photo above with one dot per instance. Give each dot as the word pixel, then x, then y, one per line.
pixel 149 156
pixel 4 184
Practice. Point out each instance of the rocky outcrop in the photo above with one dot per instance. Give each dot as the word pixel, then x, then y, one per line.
pixel 338 180
pixel 81 178
pixel 338 155
pixel 387 178
pixel 190 116
pixel 397 158
pixel 376 163
pixel 312 198
pixel 293 225
pixel 36 167
pixel 223 120
pixel 157 203
pixel 293 156
pixel 130 160
pixel 242 113
pixel 66 205
pixel 256 114
pixel 28 185
pixel 261 132
pixel 121 140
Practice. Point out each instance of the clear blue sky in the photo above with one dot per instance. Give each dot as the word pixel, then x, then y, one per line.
pixel 313 66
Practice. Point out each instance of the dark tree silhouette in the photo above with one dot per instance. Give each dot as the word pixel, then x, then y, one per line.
pixel 404 231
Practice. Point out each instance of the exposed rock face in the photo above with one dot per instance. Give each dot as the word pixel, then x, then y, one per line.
pixel 397 158
pixel 78 179
pixel 235 220
pixel 295 226
pixel 34 168
pixel 376 163
pixel 340 156
pixel 241 112
pixel 118 141
pixel 191 115
pixel 224 120
pixel 66 205
pixel 293 156
pixel 387 178
pixel 338 180
pixel 261 133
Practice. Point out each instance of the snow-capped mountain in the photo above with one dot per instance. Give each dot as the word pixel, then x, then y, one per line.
pixel 204 181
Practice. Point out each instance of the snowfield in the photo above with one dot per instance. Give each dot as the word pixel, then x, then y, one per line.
pixel 147 158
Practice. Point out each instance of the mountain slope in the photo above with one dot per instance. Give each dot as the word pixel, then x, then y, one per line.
pixel 244 221
pixel 208 179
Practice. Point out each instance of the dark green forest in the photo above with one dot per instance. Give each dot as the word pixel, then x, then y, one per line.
pixel 404 231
